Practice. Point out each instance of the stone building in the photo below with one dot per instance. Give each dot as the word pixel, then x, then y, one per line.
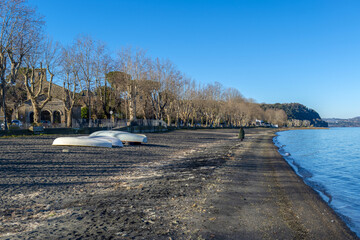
pixel 53 112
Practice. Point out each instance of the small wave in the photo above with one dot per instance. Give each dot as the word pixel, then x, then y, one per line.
pixel 304 173
pixel 321 189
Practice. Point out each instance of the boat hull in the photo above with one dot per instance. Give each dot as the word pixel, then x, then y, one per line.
pixel 114 141
pixel 84 142
pixel 125 137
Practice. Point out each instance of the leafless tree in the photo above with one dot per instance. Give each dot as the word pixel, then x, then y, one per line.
pixel 164 77
pixel 185 102
pixel 44 54
pixel 135 64
pixel 119 82
pixel 20 29
pixel 103 64
pixel 280 117
pixel 276 116
pixel 232 99
pixel 172 92
pixel 86 51
pixel 70 70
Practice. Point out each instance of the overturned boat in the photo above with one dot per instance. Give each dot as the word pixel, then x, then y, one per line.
pixel 82 141
pixel 114 141
pixel 125 137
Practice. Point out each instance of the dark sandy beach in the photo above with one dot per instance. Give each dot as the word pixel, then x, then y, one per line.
pixel 203 184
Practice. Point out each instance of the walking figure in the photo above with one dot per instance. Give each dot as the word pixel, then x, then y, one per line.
pixel 241 134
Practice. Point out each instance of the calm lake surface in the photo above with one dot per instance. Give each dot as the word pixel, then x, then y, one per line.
pixel 328 161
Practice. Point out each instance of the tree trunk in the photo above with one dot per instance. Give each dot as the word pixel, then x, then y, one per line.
pixel 69 118
pixel 37 113
pixel 168 116
pixel 132 108
pixel 177 119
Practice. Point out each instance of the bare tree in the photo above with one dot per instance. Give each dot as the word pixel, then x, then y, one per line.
pixel 135 64
pixel 276 116
pixel 232 99
pixel 85 47
pixel 212 94
pixel 119 82
pixel 281 117
pixel 20 28
pixel 185 103
pixel 103 64
pixel 45 53
pixel 70 69
pixel 172 92
pixel 164 76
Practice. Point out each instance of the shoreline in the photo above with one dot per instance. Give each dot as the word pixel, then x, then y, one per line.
pixel 281 205
pixel 301 128
pixel 306 176
pixel 182 185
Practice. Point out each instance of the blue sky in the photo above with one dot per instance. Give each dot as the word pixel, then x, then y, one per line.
pixel 305 51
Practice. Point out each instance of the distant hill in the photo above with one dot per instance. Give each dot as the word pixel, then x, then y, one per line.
pixel 297 111
pixel 338 122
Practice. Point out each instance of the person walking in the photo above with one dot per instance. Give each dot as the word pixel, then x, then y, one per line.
pixel 241 134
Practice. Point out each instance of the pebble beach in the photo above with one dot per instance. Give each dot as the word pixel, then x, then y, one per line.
pixel 186 184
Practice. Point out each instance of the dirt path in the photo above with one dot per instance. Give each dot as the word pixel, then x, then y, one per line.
pixel 202 184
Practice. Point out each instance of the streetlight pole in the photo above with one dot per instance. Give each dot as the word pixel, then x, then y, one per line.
pixel 111 113
pixel 89 107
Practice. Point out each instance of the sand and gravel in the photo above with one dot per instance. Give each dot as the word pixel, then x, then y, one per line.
pixel 202 184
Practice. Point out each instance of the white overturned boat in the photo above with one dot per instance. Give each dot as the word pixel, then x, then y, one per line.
pixel 114 141
pixel 125 137
pixel 82 141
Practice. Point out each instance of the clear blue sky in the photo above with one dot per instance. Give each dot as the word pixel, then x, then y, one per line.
pixel 305 51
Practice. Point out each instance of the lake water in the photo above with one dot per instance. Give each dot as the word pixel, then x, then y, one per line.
pixel 329 162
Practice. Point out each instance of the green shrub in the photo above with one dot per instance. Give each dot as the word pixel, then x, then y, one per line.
pixel 84 113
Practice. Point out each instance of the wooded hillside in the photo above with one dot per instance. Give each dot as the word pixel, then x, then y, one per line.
pixel 297 111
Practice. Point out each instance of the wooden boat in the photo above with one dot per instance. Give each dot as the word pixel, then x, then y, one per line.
pixel 125 137
pixel 82 141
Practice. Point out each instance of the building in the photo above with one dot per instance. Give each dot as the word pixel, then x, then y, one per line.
pixel 53 112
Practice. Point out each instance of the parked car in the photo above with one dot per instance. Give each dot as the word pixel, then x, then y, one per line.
pixel 16 122
pixel 13 122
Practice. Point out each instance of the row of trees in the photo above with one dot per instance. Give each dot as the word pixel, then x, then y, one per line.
pixel 133 85
pixel 129 84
